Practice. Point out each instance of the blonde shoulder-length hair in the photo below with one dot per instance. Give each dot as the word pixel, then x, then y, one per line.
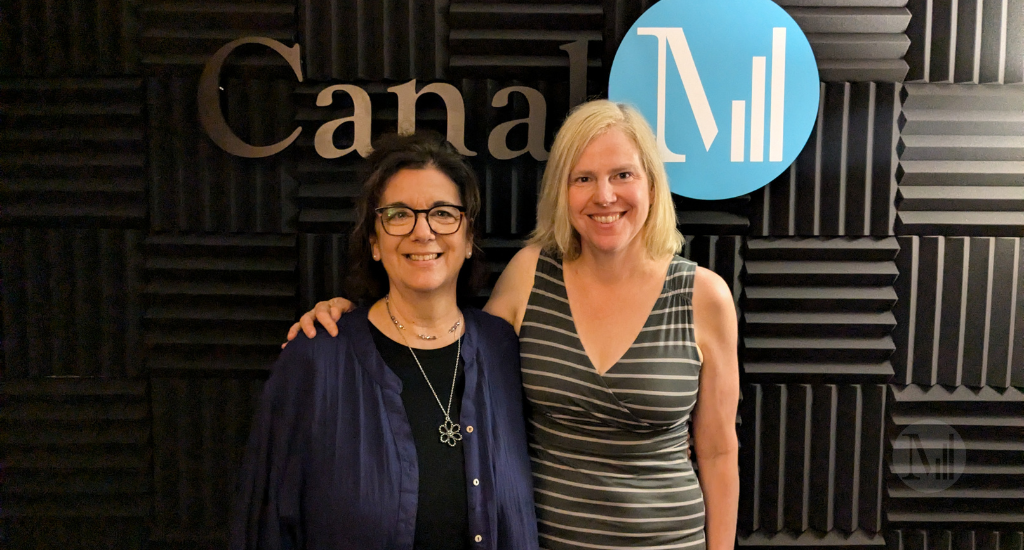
pixel 554 232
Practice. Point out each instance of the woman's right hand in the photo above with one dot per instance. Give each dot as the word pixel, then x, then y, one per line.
pixel 327 313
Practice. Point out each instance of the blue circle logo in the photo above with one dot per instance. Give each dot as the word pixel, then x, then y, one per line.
pixel 730 87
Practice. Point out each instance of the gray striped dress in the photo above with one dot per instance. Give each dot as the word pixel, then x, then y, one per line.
pixel 610 467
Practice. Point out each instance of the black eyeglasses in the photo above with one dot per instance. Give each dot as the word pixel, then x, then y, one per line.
pixel 399 221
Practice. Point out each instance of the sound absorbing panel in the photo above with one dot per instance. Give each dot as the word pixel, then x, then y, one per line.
pixel 197 187
pixel 354 39
pixel 76 461
pixel 967 539
pixel 66 38
pixel 988 494
pixel 961 166
pixel 960 313
pixel 217 305
pixel 71 302
pixel 842 183
pixel 721 254
pixel 818 310
pixel 812 457
pixel 861 41
pixel 200 427
pixel 513 39
pixel 179 34
pixel 72 151
pixel 323 261
pixel 966 41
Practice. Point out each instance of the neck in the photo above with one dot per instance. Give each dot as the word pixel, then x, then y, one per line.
pixel 433 312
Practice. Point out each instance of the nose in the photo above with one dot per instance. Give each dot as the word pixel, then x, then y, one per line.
pixel 604 193
pixel 421 231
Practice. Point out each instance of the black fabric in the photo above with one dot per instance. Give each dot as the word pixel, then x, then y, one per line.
pixel 441 517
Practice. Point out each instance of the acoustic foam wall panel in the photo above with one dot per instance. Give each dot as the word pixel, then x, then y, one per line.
pixel 72 151
pixel 520 40
pixel 194 186
pixel 966 41
pixel 842 183
pixel 76 463
pixel 721 254
pixel 71 302
pixel 812 464
pixel 200 428
pixel 970 539
pixel 217 305
pixel 183 35
pixel 856 41
pixel 961 165
pixel 960 313
pixel 987 495
pixel 361 40
pixel 818 310
pixel 68 38
pixel 323 261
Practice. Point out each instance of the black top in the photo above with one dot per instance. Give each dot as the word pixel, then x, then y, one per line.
pixel 441 517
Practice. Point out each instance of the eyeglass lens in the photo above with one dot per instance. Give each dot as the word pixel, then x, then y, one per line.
pixel 400 220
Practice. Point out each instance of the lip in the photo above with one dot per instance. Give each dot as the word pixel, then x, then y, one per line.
pixel 618 216
pixel 423 256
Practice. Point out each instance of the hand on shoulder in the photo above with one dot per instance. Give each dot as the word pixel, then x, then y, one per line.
pixel 512 291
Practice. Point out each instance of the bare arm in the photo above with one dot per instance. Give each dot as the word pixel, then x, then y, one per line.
pixel 714 422
pixel 512 291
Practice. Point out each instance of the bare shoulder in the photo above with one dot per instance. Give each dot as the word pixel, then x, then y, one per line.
pixel 714 312
pixel 512 291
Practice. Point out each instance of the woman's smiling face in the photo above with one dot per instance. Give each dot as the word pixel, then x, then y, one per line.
pixel 609 194
pixel 421 261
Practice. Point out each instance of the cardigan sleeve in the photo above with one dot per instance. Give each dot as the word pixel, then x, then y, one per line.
pixel 266 504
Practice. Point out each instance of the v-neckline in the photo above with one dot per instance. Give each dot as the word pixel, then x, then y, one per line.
pixel 575 329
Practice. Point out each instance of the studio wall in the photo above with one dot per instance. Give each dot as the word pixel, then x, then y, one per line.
pixel 147 277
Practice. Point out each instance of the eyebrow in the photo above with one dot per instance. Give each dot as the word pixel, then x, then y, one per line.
pixel 615 170
pixel 402 204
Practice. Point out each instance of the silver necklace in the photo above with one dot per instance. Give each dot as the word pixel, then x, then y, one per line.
pixel 387 301
pixel 449 430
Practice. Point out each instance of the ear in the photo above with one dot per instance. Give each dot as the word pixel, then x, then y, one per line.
pixel 374 248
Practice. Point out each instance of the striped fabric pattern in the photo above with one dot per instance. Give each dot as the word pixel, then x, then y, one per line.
pixel 609 453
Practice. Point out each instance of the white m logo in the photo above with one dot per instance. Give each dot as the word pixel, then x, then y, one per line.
pixel 673 38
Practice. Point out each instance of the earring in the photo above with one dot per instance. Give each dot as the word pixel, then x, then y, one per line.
pixel 469 254
pixel 376 258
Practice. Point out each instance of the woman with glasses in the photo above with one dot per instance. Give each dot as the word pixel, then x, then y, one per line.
pixel 405 431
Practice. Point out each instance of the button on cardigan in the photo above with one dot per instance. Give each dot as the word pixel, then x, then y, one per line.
pixel 331 461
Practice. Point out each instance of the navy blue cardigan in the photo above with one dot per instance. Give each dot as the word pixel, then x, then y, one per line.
pixel 331 461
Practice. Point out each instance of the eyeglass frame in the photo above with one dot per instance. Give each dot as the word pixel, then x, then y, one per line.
pixel 416 217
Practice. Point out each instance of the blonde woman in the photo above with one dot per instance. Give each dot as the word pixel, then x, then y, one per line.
pixel 621 342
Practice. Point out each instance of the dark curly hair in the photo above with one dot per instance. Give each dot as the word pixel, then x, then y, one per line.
pixel 367 279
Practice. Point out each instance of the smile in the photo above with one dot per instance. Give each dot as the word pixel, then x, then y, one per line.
pixel 606 218
pixel 422 257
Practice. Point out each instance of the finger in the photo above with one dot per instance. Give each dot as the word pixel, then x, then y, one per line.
pixel 307 325
pixel 326 318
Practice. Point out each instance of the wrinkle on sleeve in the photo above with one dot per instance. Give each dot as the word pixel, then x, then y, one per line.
pixel 265 509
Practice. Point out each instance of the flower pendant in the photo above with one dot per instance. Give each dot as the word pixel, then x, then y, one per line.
pixel 450 433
